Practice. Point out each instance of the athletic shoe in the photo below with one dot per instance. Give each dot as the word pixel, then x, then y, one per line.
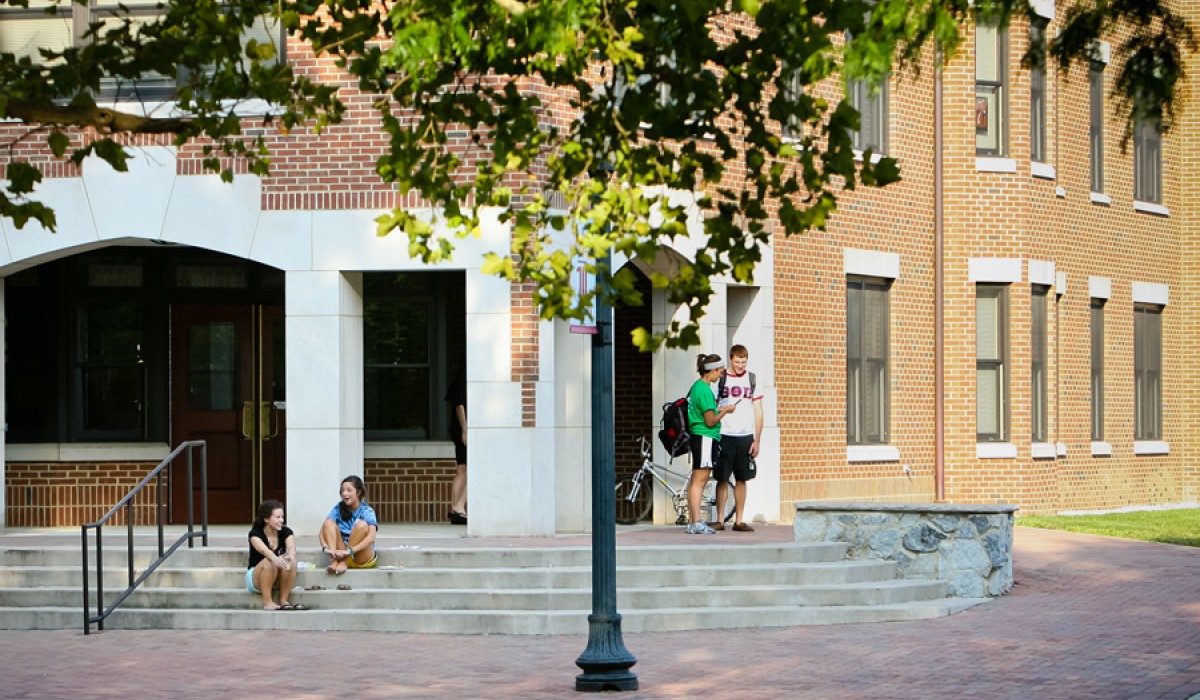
pixel 742 527
pixel 717 526
pixel 700 528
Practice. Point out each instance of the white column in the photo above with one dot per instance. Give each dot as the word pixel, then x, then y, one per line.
pixel 324 360
pixel 4 412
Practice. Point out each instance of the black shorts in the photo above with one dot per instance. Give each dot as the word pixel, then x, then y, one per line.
pixel 700 460
pixel 460 451
pixel 735 459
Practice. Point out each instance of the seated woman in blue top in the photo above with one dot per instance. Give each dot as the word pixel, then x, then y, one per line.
pixel 272 562
pixel 348 534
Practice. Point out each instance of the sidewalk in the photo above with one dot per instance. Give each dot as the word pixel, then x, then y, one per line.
pixel 1090 617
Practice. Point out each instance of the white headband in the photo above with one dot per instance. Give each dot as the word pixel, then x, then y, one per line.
pixel 715 364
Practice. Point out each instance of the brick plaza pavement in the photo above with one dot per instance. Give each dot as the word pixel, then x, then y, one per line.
pixel 1090 617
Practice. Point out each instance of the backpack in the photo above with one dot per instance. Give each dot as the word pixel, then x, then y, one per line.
pixel 674 434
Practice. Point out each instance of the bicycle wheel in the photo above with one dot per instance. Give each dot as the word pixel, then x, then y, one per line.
pixel 709 501
pixel 635 511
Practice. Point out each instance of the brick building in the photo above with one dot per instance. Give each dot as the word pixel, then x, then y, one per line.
pixel 266 317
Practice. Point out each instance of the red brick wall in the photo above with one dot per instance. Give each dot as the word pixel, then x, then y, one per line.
pixel 68 494
pixel 409 491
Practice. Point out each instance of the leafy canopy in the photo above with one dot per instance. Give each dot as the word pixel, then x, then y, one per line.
pixel 662 96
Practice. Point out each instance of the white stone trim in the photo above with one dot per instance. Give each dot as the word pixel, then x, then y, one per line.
pixel 1060 192
pixel 1042 170
pixel 871 263
pixel 88 452
pixel 1101 449
pixel 426 449
pixel 1041 272
pixel 1100 288
pixel 1060 282
pixel 995 450
pixel 1042 8
pixel 1100 198
pixel 1101 51
pixel 1151 293
pixel 1151 447
pixel 1061 447
pixel 1151 208
pixel 994 270
pixel 989 164
pixel 872 453
pixel 1043 450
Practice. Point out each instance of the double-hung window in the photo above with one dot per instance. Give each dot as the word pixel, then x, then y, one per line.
pixel 872 106
pixel 991 363
pixel 1147 164
pixel 1096 124
pixel 1037 91
pixel 1038 369
pixel 1097 369
pixel 867 371
pixel 1147 370
pixel 991 95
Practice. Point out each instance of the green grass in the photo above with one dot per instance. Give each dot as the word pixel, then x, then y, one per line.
pixel 1169 526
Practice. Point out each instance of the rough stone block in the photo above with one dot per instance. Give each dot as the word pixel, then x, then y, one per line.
pixel 923 538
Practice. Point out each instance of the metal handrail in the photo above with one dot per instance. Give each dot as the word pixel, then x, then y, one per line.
pixel 102 612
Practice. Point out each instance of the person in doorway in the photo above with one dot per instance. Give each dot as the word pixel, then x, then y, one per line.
pixel 456 397
pixel 348 534
pixel 704 423
pixel 272 563
pixel 740 435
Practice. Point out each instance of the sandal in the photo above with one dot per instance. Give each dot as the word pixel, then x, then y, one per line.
pixel 293 606
pixel 315 587
pixel 343 587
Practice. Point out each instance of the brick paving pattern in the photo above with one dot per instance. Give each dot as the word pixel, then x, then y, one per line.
pixel 1090 617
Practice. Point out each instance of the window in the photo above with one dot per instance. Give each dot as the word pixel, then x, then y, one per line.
pixel 872 106
pixel 867 372
pixel 991 98
pixel 23 31
pixel 991 360
pixel 1037 377
pixel 1096 124
pixel 791 89
pixel 1037 92
pixel 1097 370
pixel 1147 160
pixel 413 340
pixel 1147 370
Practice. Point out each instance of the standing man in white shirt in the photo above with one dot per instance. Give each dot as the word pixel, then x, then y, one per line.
pixel 740 434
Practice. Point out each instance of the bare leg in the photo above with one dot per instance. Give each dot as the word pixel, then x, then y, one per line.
pixel 331 539
pixel 357 534
pixel 722 495
pixel 264 580
pixel 695 491
pixel 458 491
pixel 286 579
pixel 739 501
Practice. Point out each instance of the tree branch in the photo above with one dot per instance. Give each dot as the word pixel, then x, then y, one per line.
pixel 53 114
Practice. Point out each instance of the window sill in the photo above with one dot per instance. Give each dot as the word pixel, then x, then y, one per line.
pixel 1043 450
pixel 875 157
pixel 872 453
pixel 1042 170
pixel 1062 449
pixel 1151 208
pixel 990 164
pixel 1151 447
pixel 1100 198
pixel 995 450
pixel 87 452
pixel 423 449
pixel 1101 449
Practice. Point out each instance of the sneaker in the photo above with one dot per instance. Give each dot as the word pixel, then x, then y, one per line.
pixel 717 526
pixel 742 527
pixel 700 528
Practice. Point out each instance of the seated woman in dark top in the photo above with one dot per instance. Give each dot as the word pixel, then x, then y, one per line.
pixel 272 558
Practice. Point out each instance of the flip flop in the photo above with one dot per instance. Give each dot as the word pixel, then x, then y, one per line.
pixel 293 606
pixel 315 587
pixel 338 572
pixel 273 609
pixel 343 587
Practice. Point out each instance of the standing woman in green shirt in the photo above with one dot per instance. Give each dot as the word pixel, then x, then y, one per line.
pixel 704 423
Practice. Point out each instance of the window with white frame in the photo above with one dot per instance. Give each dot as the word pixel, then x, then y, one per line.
pixel 872 105
pixel 867 361
pixel 1147 371
pixel 991 98
pixel 1037 91
pixel 1038 369
pixel 991 363
pixel 1096 124
pixel 791 89
pixel 1147 160
pixel 1097 369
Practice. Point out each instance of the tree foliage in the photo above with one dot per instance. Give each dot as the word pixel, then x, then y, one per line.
pixel 668 96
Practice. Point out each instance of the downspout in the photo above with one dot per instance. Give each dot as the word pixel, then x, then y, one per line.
pixel 939 355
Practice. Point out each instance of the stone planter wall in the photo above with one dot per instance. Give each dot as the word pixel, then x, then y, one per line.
pixel 969 547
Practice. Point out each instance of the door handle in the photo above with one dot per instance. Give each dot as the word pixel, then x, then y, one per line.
pixel 268 421
pixel 248 420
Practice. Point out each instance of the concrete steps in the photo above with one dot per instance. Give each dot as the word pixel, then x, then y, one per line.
pixel 535 590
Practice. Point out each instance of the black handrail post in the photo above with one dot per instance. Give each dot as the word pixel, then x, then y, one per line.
pixel 203 489
pixel 605 662
pixel 158 512
pixel 87 626
pixel 190 497
pixel 100 576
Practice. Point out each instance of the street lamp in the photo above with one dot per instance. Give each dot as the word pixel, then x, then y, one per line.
pixel 605 662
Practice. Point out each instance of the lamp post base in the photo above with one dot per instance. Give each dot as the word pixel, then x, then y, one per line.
pixel 605 661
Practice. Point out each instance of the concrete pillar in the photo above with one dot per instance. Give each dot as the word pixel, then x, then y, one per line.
pixel 3 411
pixel 324 359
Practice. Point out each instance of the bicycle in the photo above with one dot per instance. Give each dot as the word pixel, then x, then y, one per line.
pixel 635 493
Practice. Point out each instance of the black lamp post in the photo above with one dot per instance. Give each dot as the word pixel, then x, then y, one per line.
pixel 605 662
